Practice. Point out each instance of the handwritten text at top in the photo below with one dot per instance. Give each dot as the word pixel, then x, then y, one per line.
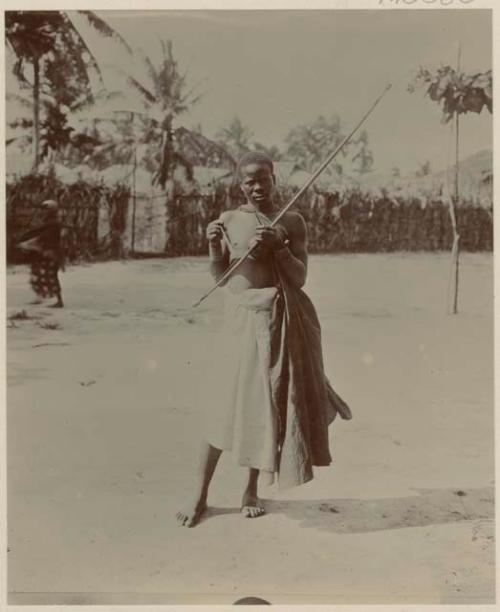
pixel 425 2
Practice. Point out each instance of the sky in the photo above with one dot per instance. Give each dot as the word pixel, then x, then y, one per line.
pixel 280 69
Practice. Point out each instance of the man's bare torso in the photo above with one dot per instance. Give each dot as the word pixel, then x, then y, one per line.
pixel 257 271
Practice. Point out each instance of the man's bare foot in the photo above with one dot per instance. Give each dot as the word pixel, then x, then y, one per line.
pixel 192 514
pixel 57 305
pixel 251 505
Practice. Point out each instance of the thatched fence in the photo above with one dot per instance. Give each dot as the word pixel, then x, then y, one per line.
pixel 83 207
pixel 103 223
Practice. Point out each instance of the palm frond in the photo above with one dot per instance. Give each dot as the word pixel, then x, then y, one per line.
pixel 22 139
pixel 151 70
pixel 165 48
pixel 106 111
pixel 74 46
pixel 105 29
pixel 141 89
pixel 19 72
pixel 73 24
pixel 24 102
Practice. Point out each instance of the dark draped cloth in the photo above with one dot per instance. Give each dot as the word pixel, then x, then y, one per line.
pixel 306 402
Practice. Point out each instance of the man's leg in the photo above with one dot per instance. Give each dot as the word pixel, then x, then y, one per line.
pixel 36 284
pixel 59 303
pixel 251 505
pixel 209 456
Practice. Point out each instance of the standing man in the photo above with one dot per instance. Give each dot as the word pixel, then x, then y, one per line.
pixel 270 402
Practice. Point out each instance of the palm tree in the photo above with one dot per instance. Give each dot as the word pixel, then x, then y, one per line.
pixel 236 136
pixel 306 144
pixel 363 158
pixel 39 37
pixel 152 95
pixel 163 96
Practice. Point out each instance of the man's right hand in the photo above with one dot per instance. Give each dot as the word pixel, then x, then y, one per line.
pixel 214 232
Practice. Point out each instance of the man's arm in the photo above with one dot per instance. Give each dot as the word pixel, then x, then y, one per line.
pixel 217 248
pixel 32 233
pixel 292 258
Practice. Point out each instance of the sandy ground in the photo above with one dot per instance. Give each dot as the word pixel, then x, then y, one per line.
pixel 102 431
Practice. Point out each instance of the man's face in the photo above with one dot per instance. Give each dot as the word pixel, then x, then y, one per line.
pixel 257 183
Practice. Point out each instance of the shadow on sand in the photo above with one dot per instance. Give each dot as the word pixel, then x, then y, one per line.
pixel 427 507
pixel 217 511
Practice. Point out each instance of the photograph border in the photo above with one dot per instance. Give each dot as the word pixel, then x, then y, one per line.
pixel 148 5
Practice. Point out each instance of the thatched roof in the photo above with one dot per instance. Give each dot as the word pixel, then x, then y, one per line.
pixel 201 151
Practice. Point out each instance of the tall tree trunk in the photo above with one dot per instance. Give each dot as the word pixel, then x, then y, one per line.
pixel 36 112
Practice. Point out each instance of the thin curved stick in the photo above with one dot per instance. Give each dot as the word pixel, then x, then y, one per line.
pixel 287 207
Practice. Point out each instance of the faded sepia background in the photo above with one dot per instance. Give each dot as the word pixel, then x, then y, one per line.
pixel 133 121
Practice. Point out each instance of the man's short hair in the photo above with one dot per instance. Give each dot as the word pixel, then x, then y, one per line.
pixel 255 157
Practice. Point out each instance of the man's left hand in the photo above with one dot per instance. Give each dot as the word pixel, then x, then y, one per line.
pixel 270 237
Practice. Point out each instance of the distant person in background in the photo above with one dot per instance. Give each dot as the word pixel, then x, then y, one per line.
pixel 43 243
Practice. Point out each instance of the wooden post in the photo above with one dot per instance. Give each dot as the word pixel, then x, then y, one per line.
pixel 134 203
pixel 454 202
pixel 36 112
pixel 455 229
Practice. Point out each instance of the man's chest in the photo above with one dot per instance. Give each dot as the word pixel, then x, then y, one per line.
pixel 240 229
